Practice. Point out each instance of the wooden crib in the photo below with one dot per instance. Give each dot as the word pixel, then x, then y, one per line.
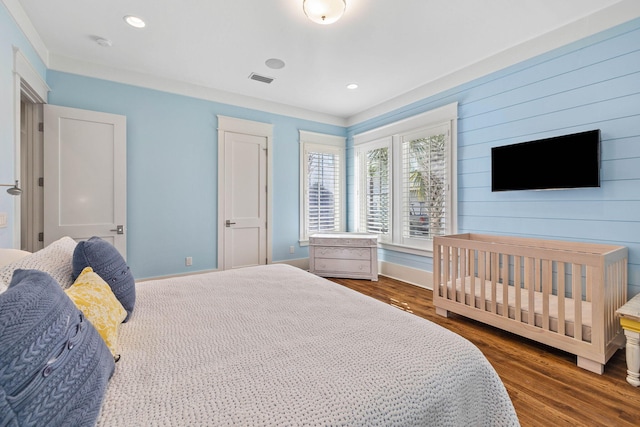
pixel 562 294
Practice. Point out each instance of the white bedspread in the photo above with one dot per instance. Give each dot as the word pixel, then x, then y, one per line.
pixel 277 346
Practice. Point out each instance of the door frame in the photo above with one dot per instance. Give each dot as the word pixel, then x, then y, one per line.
pixel 32 172
pixel 27 84
pixel 248 127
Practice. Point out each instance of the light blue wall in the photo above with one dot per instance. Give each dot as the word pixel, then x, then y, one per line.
pixel 172 181
pixel 10 37
pixel 593 83
pixel 172 152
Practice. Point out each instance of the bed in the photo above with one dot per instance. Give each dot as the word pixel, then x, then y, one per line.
pixel 275 345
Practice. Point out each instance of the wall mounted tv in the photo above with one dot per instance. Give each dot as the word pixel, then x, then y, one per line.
pixel 567 161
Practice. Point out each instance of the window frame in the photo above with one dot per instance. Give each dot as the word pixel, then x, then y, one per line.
pixel 325 144
pixel 444 117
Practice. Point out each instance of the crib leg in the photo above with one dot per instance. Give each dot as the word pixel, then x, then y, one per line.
pixel 590 365
pixel 442 312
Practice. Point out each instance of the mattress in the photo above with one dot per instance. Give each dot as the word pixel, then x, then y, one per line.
pixel 275 345
pixel 538 304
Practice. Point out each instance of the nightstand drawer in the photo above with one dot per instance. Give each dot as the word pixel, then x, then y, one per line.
pixel 343 252
pixel 324 265
pixel 358 242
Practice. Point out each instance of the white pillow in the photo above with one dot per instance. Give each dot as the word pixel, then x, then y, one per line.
pixel 10 255
pixel 55 259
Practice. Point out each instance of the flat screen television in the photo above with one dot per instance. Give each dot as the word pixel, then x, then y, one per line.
pixel 567 161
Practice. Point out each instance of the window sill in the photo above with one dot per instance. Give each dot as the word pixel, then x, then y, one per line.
pixel 428 252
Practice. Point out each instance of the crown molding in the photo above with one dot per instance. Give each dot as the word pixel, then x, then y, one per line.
pixel 24 23
pixel 619 13
pixel 87 69
pixel 609 17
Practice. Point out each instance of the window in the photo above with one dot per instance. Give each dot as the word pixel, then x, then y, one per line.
pixel 374 167
pixel 405 180
pixel 322 184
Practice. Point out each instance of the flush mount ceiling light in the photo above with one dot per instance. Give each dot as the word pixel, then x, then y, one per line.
pixel 352 86
pixel 134 21
pixel 324 11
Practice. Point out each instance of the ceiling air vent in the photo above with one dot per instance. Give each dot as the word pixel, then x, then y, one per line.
pixel 259 78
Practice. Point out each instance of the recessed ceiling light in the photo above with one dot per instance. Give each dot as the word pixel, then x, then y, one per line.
pixel 134 21
pixel 352 86
pixel 274 63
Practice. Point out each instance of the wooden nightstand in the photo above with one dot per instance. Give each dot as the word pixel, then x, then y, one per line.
pixel 630 322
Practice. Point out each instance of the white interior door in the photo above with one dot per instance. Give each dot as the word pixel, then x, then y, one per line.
pixel 85 180
pixel 245 210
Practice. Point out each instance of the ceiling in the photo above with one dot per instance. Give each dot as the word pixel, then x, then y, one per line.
pixel 387 47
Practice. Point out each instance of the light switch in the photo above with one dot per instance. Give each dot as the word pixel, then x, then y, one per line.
pixel 3 219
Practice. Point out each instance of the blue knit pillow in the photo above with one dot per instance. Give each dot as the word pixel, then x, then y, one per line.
pixel 54 366
pixel 106 261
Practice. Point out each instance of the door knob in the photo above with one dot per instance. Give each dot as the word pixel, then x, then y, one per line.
pixel 228 223
pixel 119 229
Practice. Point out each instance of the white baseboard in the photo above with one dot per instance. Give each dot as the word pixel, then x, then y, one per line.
pixel 169 276
pixel 411 275
pixel 415 276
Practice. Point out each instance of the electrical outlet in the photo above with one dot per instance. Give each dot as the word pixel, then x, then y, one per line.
pixel 292 250
pixel 188 261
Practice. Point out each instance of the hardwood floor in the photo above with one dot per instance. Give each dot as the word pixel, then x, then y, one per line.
pixel 545 385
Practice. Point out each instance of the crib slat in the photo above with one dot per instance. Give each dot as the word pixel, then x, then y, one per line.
pixel 537 283
pixel 494 276
pixel 505 285
pixel 455 275
pixel 446 261
pixel 529 285
pixel 545 279
pixel 517 280
pixel 576 293
pixel 561 300
pixel 472 276
pixel 482 255
pixel 437 259
pixel 589 285
pixel 463 274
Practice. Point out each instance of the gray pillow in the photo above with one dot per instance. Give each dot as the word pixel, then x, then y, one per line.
pixel 54 366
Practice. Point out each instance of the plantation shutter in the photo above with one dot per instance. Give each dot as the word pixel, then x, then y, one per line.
pixel 377 204
pixel 323 192
pixel 322 184
pixel 424 184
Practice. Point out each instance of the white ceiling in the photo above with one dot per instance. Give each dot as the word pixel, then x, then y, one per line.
pixel 388 47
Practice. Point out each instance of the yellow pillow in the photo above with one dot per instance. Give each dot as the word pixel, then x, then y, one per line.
pixel 94 298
